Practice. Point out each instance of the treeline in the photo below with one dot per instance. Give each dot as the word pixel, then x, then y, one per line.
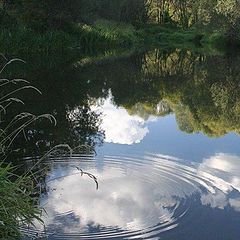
pixel 218 15
pixel 43 14
pixel 222 16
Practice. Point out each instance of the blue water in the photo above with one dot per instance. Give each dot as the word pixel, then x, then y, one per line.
pixel 165 137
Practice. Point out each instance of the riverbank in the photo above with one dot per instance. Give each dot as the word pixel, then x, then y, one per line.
pixel 103 35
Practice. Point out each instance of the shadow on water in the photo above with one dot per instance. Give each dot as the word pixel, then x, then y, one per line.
pixel 145 196
pixel 202 90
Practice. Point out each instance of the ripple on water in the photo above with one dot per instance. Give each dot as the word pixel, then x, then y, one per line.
pixel 138 197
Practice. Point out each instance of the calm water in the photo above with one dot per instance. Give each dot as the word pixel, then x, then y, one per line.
pixel 165 126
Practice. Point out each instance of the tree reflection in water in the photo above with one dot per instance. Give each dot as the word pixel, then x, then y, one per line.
pixel 201 89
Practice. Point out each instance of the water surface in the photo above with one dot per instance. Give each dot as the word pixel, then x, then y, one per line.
pixel 164 125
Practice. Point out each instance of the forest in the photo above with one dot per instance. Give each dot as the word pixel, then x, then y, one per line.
pixel 54 24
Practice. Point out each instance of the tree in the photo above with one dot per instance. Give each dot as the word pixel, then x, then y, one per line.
pixel 231 10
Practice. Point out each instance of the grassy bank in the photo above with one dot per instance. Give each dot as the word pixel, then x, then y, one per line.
pixel 102 35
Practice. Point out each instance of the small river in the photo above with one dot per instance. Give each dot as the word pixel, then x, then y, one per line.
pixel 163 131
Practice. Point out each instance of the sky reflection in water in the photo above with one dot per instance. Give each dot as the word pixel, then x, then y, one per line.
pixel 176 105
pixel 146 195
pixel 134 134
pixel 143 196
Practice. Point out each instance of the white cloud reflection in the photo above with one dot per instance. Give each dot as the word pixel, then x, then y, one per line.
pixel 121 201
pixel 134 198
pixel 119 126
pixel 223 170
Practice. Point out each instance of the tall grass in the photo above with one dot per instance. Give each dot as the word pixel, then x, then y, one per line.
pixel 18 205
pixel 10 130
pixel 106 34
pixel 19 193
pixel 216 38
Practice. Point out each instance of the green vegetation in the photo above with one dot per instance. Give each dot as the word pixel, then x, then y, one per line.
pixel 18 206
pixel 21 186
pixel 45 26
pixel 18 193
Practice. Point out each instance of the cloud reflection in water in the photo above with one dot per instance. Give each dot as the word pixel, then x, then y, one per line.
pixel 119 126
pixel 140 194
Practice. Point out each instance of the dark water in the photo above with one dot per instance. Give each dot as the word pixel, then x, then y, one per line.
pixel 165 126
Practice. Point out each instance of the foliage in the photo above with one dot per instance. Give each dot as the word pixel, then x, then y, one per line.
pixel 103 34
pixel 231 10
pixel 86 23
pixel 18 207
